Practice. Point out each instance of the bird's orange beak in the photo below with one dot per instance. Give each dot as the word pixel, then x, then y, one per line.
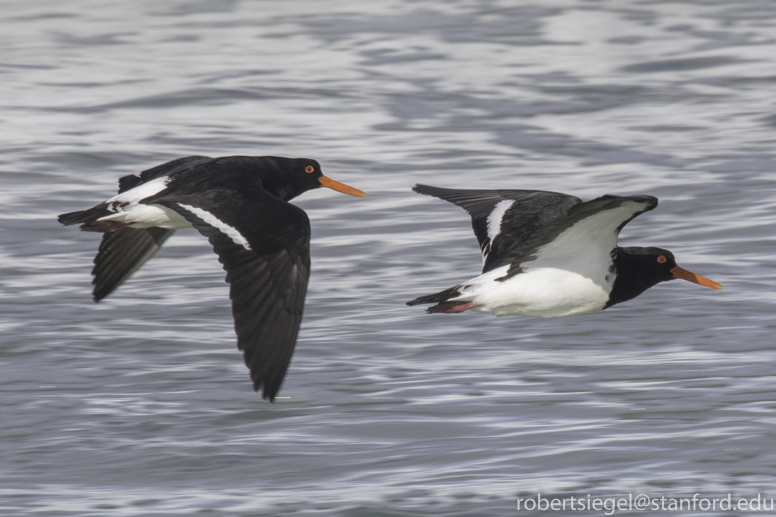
pixel 695 279
pixel 340 187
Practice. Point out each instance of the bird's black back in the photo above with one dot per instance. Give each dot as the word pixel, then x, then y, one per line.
pixel 172 167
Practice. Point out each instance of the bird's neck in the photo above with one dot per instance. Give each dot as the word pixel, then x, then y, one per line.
pixel 282 189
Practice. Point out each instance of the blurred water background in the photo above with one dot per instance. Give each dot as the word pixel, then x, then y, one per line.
pixel 141 405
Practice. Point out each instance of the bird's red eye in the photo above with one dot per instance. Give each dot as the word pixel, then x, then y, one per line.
pixel 309 169
pixel 661 259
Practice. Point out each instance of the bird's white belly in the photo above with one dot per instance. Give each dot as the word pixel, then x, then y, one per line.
pixel 539 292
pixel 128 208
pixel 148 216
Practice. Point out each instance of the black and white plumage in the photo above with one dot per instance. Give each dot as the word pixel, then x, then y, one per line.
pixel 547 254
pixel 240 203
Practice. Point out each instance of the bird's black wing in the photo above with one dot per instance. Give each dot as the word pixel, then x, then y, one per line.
pixel 122 253
pixel 264 246
pixel 583 240
pixel 503 220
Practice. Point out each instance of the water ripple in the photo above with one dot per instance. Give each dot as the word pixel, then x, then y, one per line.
pixel 141 405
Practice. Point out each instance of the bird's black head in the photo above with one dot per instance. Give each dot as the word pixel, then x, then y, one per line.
pixel 290 177
pixel 637 269
pixel 655 264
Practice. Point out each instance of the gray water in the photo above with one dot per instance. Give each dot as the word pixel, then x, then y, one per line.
pixel 141 405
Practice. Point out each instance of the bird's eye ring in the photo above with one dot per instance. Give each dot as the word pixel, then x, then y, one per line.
pixel 661 259
pixel 309 169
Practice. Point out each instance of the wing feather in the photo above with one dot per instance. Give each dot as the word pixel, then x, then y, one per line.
pixel 267 280
pixel 503 220
pixel 122 253
pixel 582 240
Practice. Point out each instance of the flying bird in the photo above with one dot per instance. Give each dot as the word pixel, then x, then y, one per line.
pixel 549 255
pixel 240 203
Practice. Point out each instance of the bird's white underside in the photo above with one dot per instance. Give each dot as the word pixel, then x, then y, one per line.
pixel 541 292
pixel 149 216
pixel 128 209
pixel 569 276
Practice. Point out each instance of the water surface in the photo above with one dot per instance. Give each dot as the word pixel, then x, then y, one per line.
pixel 141 405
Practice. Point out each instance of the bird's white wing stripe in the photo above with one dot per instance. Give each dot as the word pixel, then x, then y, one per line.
pixel 494 220
pixel 133 196
pixel 215 222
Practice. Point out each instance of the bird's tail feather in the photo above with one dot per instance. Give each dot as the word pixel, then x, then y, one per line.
pixel 85 216
pixel 441 296
pixel 90 219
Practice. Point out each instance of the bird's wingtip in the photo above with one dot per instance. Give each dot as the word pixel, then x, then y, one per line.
pixel 266 393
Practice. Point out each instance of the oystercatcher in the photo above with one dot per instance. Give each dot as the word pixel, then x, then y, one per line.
pixel 240 203
pixel 549 255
